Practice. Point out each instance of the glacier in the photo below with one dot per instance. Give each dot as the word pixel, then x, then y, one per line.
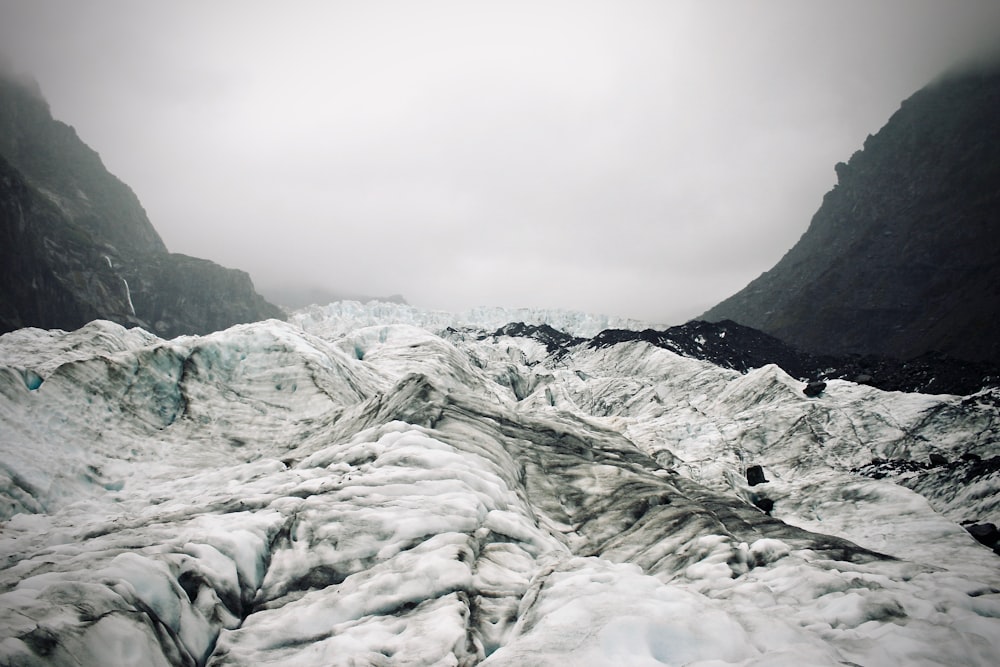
pixel 374 485
pixel 341 317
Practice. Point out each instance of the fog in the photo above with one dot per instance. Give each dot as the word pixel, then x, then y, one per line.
pixel 642 159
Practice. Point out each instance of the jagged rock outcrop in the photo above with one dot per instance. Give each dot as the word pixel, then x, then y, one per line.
pixel 902 257
pixel 76 244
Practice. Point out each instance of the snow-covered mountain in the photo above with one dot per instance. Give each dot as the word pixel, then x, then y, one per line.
pixel 314 493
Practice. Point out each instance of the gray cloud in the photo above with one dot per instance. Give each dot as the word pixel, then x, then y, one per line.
pixel 644 159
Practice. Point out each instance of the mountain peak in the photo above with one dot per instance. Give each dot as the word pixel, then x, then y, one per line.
pixel 70 174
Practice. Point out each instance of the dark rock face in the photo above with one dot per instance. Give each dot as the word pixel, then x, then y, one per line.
pixel 68 173
pixel 76 245
pixel 177 294
pixel 727 344
pixel 902 257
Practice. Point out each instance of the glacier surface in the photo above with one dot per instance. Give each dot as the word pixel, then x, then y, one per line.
pixel 343 491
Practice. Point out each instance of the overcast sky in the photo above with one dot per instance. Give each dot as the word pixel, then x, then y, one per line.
pixel 643 159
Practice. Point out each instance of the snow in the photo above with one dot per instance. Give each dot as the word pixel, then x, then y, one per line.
pixel 349 488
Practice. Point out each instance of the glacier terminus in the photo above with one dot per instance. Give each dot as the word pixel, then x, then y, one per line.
pixel 368 486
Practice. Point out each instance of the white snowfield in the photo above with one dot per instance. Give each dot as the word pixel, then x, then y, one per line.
pixel 312 494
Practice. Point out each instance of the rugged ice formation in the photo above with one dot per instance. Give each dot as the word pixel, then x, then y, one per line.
pixel 341 317
pixel 397 495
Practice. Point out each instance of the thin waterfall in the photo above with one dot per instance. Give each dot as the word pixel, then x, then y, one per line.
pixel 128 295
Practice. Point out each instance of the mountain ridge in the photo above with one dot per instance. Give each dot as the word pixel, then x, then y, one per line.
pixel 78 245
pixel 901 257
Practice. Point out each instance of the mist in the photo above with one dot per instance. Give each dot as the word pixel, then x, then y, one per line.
pixel 640 159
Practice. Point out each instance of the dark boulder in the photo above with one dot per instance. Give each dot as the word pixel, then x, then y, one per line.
pixel 814 389
pixel 938 460
pixel 755 476
pixel 985 533
pixel 763 503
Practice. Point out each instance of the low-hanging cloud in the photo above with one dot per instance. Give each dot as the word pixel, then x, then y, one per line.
pixel 642 159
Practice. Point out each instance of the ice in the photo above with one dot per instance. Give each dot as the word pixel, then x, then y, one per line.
pixel 590 612
pixel 393 493
pixel 341 317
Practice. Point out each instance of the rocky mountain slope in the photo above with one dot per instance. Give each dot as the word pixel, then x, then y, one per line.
pixel 391 495
pixel 903 256
pixel 76 245
pixel 742 348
